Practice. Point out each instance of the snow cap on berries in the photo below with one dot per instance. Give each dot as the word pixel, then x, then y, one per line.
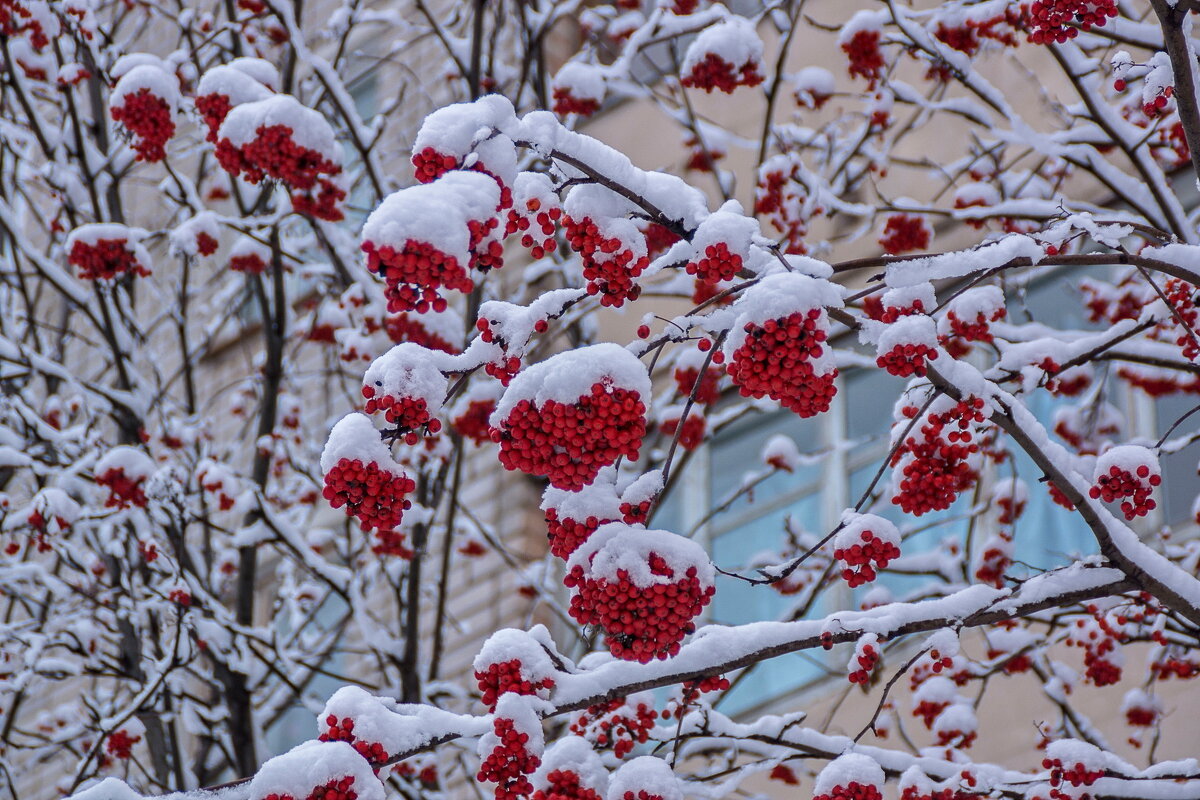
pixel 812 86
pixel 578 88
pixel 620 548
pixel 644 777
pixel 134 463
pixel 309 128
pixel 777 296
pixel 411 371
pixel 196 235
pixel 313 765
pixel 574 754
pixel 846 769
pixel 512 644
pixel 733 40
pixel 570 375
pixel 455 130
pixel 105 249
pixel 355 437
pixel 781 452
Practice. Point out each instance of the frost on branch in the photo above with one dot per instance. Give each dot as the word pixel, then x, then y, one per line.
pixel 568 416
pixel 643 588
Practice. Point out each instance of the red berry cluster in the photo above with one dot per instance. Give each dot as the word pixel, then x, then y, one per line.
pixel 473 422
pixel 567 534
pixel 609 265
pixel 692 434
pixel 777 197
pixel 324 204
pixel 701 159
pixel 714 72
pixel 640 623
pixel 866 657
pixel 784 774
pixel 1119 483
pixel 340 789
pixel 372 494
pixel 503 369
pixel 975 330
pixel 180 597
pixel 658 238
pixel 616 724
pixel 995 560
pixel 906 360
pixel 866 59
pixel 391 543
pixel 716 265
pixel 213 109
pixel 123 491
pixel 852 791
pixel 251 263
pixel 429 164
pixel 509 764
pixel 565 785
pixel 708 392
pixel 147 119
pixel 1096 643
pixel 1169 666
pixel 105 259
pixel 690 693
pixel 904 233
pixel 120 744
pixel 1158 105
pixel 570 443
pixel 545 219
pixel 1077 774
pixel 273 153
pixel 206 244
pixel 1182 297
pixel 408 328
pixel 1141 716
pixel 860 561
pixel 408 414
pixel 342 730
pixel 507 676
pixel 567 103
pixel 414 273
pixel 1051 20
pixel 934 464
pixel 1068 385
pixel 775 361
pixel 874 308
